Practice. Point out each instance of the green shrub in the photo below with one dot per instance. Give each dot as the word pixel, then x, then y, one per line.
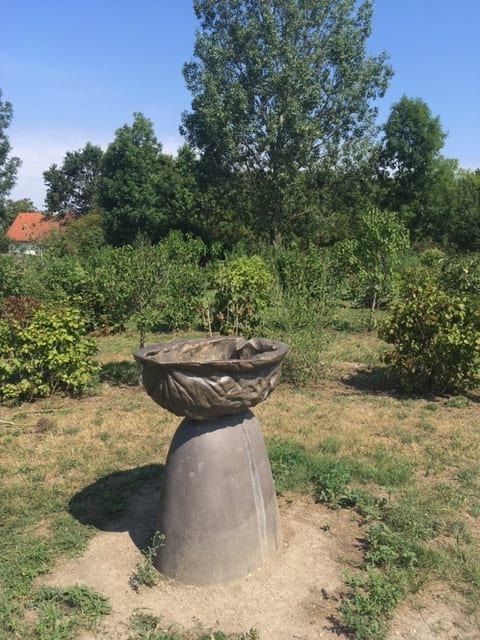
pixel 47 353
pixel 461 274
pixel 18 309
pixel 184 282
pixel 303 303
pixel 437 341
pixel 20 276
pixel 108 292
pixel 303 364
pixel 372 261
pixel 244 288
pixel 158 287
pixel 309 286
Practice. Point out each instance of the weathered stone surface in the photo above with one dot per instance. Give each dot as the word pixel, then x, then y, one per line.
pixel 218 508
pixel 211 377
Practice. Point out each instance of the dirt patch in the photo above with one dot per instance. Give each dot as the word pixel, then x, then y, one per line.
pixel 437 613
pixel 295 596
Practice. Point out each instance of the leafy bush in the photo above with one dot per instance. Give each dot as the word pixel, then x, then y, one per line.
pixel 373 259
pixel 303 364
pixel 18 309
pixel 437 341
pixel 108 291
pixel 304 303
pixel 184 282
pixel 20 276
pixel 309 288
pixel 462 275
pixel 47 353
pixel 243 290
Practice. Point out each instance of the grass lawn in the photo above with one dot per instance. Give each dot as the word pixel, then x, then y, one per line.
pixel 409 467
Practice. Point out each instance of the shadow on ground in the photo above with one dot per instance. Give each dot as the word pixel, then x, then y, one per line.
pixel 374 380
pixel 379 381
pixel 124 372
pixel 122 501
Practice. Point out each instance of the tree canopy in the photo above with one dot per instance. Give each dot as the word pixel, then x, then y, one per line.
pixel 278 87
pixel 137 189
pixel 72 188
pixel 412 141
pixel 8 165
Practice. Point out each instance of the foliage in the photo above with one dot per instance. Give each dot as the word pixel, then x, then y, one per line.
pixel 368 609
pixel 72 188
pixel 243 289
pixel 373 258
pixel 8 165
pixel 149 627
pixel 303 364
pixel 62 611
pixel 81 237
pixel 145 573
pixel 108 294
pixel 301 307
pixel 49 353
pixel 157 287
pixel 461 274
pixel 137 189
pixel 465 213
pixel 18 309
pixel 185 282
pixel 436 335
pixel 412 141
pixel 279 88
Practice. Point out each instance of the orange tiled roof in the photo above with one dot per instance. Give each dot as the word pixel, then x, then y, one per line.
pixel 29 227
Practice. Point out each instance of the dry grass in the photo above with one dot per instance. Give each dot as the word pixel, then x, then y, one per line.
pixel 61 446
pixel 120 427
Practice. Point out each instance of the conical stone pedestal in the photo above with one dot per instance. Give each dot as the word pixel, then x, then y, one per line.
pixel 218 508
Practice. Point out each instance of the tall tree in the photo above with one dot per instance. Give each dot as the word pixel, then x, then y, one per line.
pixel 411 145
pixel 138 187
pixel 465 231
pixel 8 165
pixel 72 188
pixel 278 87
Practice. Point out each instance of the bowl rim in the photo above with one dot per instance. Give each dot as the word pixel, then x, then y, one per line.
pixel 268 357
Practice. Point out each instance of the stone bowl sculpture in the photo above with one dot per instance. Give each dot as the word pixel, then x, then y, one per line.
pixel 211 377
pixel 218 509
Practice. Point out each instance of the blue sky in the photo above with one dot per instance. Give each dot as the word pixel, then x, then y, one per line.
pixel 76 70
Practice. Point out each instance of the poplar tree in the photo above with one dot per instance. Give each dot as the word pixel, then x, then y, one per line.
pixel 279 88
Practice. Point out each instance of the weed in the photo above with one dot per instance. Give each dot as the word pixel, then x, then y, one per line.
pixel 291 465
pixel 148 627
pixel 145 573
pixel 62 611
pixel 368 609
pixel 457 402
pixel 330 445
pixel 387 469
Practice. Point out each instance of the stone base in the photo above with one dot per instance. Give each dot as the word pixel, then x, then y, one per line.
pixel 218 508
